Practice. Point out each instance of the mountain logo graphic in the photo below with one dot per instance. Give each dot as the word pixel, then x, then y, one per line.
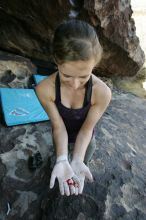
pixel 19 112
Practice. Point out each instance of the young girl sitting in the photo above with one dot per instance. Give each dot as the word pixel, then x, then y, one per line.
pixel 74 100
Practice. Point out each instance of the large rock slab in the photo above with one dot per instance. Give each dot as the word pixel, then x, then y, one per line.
pixel 22 189
pixel 118 165
pixel 27 28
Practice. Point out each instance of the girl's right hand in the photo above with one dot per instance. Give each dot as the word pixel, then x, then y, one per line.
pixel 63 172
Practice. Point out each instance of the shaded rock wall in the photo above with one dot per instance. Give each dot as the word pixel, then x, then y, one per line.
pixel 15 71
pixel 27 27
pixel 122 52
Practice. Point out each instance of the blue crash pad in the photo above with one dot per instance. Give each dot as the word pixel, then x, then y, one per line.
pixel 21 106
pixel 38 78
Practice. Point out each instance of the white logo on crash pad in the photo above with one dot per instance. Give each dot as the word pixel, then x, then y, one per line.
pixel 28 95
pixel 19 112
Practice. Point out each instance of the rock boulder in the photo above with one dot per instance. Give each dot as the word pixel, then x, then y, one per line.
pixel 27 28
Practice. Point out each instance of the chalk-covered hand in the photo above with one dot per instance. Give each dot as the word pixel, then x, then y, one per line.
pixel 82 172
pixel 63 171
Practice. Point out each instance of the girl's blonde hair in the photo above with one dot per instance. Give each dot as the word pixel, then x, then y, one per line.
pixel 76 40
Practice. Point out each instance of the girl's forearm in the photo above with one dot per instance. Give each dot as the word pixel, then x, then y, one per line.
pixel 81 144
pixel 60 138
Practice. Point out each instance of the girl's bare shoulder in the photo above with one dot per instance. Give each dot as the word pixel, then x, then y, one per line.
pixel 100 89
pixel 46 88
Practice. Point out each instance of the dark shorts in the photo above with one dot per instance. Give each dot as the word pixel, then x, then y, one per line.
pixel 89 152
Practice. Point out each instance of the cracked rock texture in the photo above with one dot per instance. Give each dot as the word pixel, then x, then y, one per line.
pixel 118 165
pixel 27 28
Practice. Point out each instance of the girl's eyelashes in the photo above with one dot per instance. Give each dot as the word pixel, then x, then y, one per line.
pixel 82 77
pixel 67 76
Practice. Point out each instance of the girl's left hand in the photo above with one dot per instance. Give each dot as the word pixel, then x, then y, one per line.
pixel 82 172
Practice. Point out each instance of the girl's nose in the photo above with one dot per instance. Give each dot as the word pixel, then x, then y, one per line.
pixel 75 83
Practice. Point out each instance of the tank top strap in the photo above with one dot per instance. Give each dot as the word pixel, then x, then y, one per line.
pixel 88 92
pixel 57 88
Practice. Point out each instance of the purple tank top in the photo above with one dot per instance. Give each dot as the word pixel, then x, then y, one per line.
pixel 73 118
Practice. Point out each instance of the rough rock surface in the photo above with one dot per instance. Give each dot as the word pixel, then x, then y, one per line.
pixel 118 165
pixel 15 71
pixel 27 28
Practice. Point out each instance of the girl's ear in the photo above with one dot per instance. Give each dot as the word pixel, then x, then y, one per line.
pixel 57 62
pixel 54 59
